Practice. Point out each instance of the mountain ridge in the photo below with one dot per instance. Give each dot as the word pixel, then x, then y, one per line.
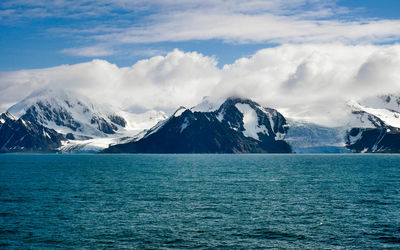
pixel 222 131
pixel 54 120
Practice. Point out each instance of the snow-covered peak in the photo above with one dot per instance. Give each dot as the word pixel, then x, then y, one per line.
pixel 206 105
pixel 68 112
pixel 139 122
pixel 49 96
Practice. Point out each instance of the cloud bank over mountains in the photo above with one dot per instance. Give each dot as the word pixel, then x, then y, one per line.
pixel 311 82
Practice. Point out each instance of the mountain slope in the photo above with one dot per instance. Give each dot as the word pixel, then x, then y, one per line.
pixel 19 135
pixel 68 112
pixel 78 124
pixel 378 126
pixel 238 126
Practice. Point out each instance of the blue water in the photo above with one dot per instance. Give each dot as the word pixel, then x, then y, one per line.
pixel 199 201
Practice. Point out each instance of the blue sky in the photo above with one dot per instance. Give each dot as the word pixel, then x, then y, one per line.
pixel 40 34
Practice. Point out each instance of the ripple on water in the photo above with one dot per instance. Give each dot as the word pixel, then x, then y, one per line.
pixel 199 201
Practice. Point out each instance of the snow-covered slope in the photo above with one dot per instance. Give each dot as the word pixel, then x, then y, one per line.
pixel 375 124
pixel 376 112
pixel 137 126
pixel 67 112
pixel 206 105
pixel 88 126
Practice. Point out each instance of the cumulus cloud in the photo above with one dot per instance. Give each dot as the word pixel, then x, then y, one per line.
pixel 311 82
pixel 163 82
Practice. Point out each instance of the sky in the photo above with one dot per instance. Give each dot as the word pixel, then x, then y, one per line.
pixel 161 54
pixel 41 33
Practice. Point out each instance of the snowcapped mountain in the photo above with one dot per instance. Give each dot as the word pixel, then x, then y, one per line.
pixel 375 126
pixel 54 120
pixel 18 135
pixel 81 125
pixel 237 126
pixel 68 113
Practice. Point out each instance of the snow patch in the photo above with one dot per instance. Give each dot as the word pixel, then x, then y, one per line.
pixel 250 121
pixel 185 124
pixel 354 139
pixel 220 116
pixel 206 106
pixel 279 136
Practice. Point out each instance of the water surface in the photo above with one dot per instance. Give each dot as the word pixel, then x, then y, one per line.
pixel 199 201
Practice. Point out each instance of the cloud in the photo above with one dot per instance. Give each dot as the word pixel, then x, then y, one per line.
pixel 163 82
pixel 91 51
pixel 311 82
pixel 255 28
pixel 120 22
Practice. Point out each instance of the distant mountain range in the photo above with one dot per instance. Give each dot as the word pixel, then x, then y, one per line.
pixel 64 122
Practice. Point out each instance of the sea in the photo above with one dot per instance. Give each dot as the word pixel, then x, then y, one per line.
pixel 343 201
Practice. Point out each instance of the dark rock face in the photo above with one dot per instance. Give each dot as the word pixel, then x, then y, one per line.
pixel 6 118
pixel 25 136
pixel 374 140
pixel 208 132
pixel 117 120
pixel 103 125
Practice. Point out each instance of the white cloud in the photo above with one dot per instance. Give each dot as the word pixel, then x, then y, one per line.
pixel 91 51
pixel 159 82
pixel 255 28
pixel 235 21
pixel 304 81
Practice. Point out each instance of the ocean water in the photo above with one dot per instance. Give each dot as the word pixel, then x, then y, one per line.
pixel 199 201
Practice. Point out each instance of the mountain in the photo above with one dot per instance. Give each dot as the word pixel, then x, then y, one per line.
pixel 19 135
pixel 78 124
pixel 377 125
pixel 237 126
pixel 54 120
pixel 69 113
